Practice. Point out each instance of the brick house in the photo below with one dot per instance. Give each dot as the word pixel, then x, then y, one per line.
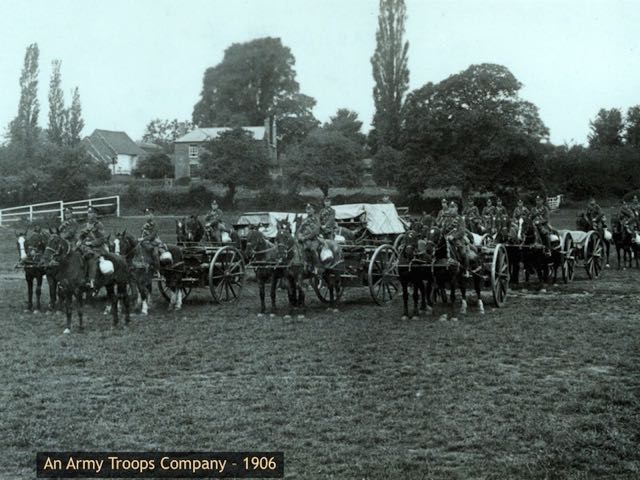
pixel 189 146
pixel 115 149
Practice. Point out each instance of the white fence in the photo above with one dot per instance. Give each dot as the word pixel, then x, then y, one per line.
pixel 39 211
pixel 554 202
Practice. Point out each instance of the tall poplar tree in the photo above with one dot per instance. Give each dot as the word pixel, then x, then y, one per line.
pixel 75 123
pixel 390 72
pixel 23 130
pixel 57 112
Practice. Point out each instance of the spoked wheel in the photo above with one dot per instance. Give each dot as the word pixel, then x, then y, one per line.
pixel 500 275
pixel 322 289
pixel 226 275
pixel 166 291
pixel 384 282
pixel 568 258
pixel 593 255
pixel 398 241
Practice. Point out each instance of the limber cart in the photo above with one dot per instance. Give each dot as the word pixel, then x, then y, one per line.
pixel 583 249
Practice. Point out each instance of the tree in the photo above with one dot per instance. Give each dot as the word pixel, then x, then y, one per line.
pixel 57 112
pixel 164 132
pixel 346 123
pixel 606 129
pixel 235 159
pixel 75 123
pixel 155 166
pixel 472 129
pixel 325 159
pixel 294 120
pixel 23 130
pixel 387 166
pixel 390 71
pixel 632 126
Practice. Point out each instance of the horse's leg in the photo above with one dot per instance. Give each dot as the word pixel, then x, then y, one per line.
pixel 272 291
pixel 416 297
pixel 80 306
pixel 405 297
pixel 261 290
pixel 68 299
pixel 463 294
pixel 123 296
pixel 53 292
pixel 29 278
pixel 38 292
pixel 477 282
pixel 112 299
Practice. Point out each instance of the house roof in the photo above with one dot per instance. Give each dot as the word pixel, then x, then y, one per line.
pixel 204 134
pixel 104 144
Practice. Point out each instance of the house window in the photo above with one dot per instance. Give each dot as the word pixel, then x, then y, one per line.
pixel 193 151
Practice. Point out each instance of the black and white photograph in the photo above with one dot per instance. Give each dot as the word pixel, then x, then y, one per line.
pixel 320 239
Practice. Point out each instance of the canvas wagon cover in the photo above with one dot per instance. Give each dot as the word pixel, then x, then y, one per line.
pixel 381 218
pixel 267 221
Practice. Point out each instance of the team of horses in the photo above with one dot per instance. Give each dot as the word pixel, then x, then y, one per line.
pixel 428 262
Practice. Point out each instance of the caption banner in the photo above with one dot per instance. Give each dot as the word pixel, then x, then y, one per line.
pixel 160 464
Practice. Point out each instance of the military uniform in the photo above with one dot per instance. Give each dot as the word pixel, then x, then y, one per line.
pixel 92 243
pixel 501 216
pixel 594 215
pixel 455 230
pixel 441 215
pixel 213 217
pixel 308 233
pixel 488 217
pixel 471 215
pixel 521 212
pixel 69 229
pixel 625 213
pixel 540 218
pixel 327 219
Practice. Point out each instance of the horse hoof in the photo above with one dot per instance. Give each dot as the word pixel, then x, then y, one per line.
pixel 272 315
pixel 36 312
pixel 608 266
pixel 26 310
pixel 328 309
pixel 335 310
pixel 415 317
pixel 260 315
pixel 543 290
pixel 300 317
pixel 443 318
pixel 287 316
pixel 454 319
pixel 66 331
pixel 404 317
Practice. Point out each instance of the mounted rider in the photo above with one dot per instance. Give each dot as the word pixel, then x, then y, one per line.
pixel 501 214
pixel 520 211
pixel 488 215
pixel 444 209
pixel 540 218
pixel 213 221
pixel 455 231
pixel 92 243
pixel 625 213
pixel 471 215
pixel 307 234
pixel 635 207
pixel 327 218
pixel 149 239
pixel 594 214
pixel 69 227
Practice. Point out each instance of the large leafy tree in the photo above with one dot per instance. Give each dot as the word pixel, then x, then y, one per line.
pixel 390 72
pixel 234 159
pixel 57 112
pixel 472 129
pixel 606 129
pixel 632 126
pixel 346 123
pixel 325 159
pixel 164 132
pixel 23 130
pixel 155 166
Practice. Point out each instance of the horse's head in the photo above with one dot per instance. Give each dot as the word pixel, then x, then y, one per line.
pixel 123 243
pixel 284 239
pixel 409 246
pixel 56 249
pixel 255 243
pixel 193 229
pixel 434 239
pixel 32 247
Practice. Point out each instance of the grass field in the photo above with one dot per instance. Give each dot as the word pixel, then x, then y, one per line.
pixel 547 387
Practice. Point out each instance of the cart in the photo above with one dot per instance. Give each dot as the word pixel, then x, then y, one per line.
pixel 584 249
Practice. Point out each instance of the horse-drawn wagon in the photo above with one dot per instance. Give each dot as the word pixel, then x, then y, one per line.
pixel 582 249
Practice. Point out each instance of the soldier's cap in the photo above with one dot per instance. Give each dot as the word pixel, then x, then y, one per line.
pixel 92 210
pixel 214 202
pixel 327 198
pixel 149 210
pixel 308 206
pixel 68 209
pixel 444 200
pixel 453 204
pixel 538 197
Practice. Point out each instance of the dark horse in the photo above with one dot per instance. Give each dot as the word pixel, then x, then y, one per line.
pixel 414 268
pixel 219 232
pixel 70 274
pixel 585 225
pixel 140 267
pixel 447 269
pixel 189 230
pixel 31 250
pixel 624 234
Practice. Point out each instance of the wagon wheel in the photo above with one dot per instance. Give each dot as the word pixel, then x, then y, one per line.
pixel 384 283
pixel 226 275
pixel 166 291
pixel 398 241
pixel 593 252
pixel 322 289
pixel 499 275
pixel 568 258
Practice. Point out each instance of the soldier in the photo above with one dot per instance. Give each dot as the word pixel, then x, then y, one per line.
pixel 625 213
pixel 540 217
pixel 307 234
pixel 386 199
pixel 69 226
pixel 501 214
pixel 214 216
pixel 149 239
pixel 327 218
pixel 91 243
pixel 455 230
pixel 488 215
pixel 635 207
pixel 444 209
pixel 594 214
pixel 471 215
pixel 520 211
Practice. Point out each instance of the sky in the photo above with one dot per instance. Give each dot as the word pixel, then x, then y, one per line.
pixel 134 61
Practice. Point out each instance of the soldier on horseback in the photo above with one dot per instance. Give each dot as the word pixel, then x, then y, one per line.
pixel 92 243
pixel 540 218
pixel 327 219
pixel 213 224
pixel 501 215
pixel 149 239
pixel 520 211
pixel 594 214
pixel 625 213
pixel 307 234
pixel 456 232
pixel 472 215
pixel 444 209
pixel 69 226
pixel 488 215
pixel 635 207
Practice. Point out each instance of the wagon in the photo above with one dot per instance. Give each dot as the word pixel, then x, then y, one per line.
pixel 584 249
pixel 369 260
pixel 216 266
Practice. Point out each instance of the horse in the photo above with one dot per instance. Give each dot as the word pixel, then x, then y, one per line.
pixel 290 257
pixel 331 264
pixel 171 269
pixel 70 274
pixel 30 250
pixel 140 267
pixel 586 225
pixel 413 268
pixel 624 234
pixel 447 269
pixel 221 233
pixel 113 275
pixel 189 230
